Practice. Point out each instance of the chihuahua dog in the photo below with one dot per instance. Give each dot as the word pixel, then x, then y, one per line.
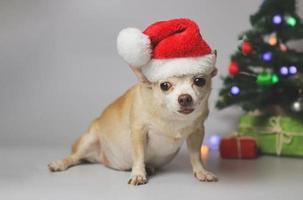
pixel 144 128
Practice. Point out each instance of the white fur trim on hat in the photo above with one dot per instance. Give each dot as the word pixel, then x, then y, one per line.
pixel 161 69
pixel 134 47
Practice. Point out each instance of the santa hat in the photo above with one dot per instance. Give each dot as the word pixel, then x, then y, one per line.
pixel 166 48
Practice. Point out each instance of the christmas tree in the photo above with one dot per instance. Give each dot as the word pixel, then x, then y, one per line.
pixel 264 72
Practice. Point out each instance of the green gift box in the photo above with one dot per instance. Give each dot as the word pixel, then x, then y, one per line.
pixel 275 135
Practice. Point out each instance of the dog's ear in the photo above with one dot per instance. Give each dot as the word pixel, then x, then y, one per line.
pixel 138 72
pixel 215 52
pixel 215 70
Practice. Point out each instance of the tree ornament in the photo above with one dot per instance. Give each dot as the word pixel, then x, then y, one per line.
pixel 267 56
pixel 277 19
pixel 246 48
pixel 233 68
pixel 264 79
pixel 267 79
pixel 273 72
pixel 291 21
pixel 235 90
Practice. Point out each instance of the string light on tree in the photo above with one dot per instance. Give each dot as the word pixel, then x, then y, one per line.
pixel 233 68
pixel 284 71
pixel 297 106
pixel 275 79
pixel 293 70
pixel 246 48
pixel 273 40
pixel 235 90
pixel 267 56
pixel 291 21
pixel 277 19
pixel 270 71
pixel 283 47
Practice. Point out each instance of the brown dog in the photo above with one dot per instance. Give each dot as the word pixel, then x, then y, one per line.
pixel 145 127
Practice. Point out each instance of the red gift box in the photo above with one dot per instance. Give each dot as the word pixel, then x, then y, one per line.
pixel 238 147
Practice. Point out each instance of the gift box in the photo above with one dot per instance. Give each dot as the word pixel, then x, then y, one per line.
pixel 275 135
pixel 242 147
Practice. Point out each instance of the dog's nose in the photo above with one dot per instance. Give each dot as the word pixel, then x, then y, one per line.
pixel 185 100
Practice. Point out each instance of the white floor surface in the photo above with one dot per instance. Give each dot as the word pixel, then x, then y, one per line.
pixel 24 175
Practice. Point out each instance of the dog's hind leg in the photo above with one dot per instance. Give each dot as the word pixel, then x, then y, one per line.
pixel 86 148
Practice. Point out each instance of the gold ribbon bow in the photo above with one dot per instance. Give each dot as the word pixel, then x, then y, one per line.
pixel 282 136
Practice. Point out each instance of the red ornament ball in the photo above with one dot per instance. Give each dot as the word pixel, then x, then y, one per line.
pixel 233 68
pixel 246 48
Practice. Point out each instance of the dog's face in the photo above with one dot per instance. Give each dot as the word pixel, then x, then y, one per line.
pixel 182 96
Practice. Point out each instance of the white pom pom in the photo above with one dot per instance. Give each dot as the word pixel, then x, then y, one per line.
pixel 134 47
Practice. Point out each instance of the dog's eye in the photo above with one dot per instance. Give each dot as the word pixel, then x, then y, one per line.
pixel 200 82
pixel 165 86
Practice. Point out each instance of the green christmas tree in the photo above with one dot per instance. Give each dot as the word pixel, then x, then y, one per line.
pixel 264 72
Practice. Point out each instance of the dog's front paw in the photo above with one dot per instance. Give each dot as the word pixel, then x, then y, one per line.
pixel 57 165
pixel 137 180
pixel 205 176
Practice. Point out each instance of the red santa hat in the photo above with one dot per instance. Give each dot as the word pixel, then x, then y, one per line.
pixel 166 48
